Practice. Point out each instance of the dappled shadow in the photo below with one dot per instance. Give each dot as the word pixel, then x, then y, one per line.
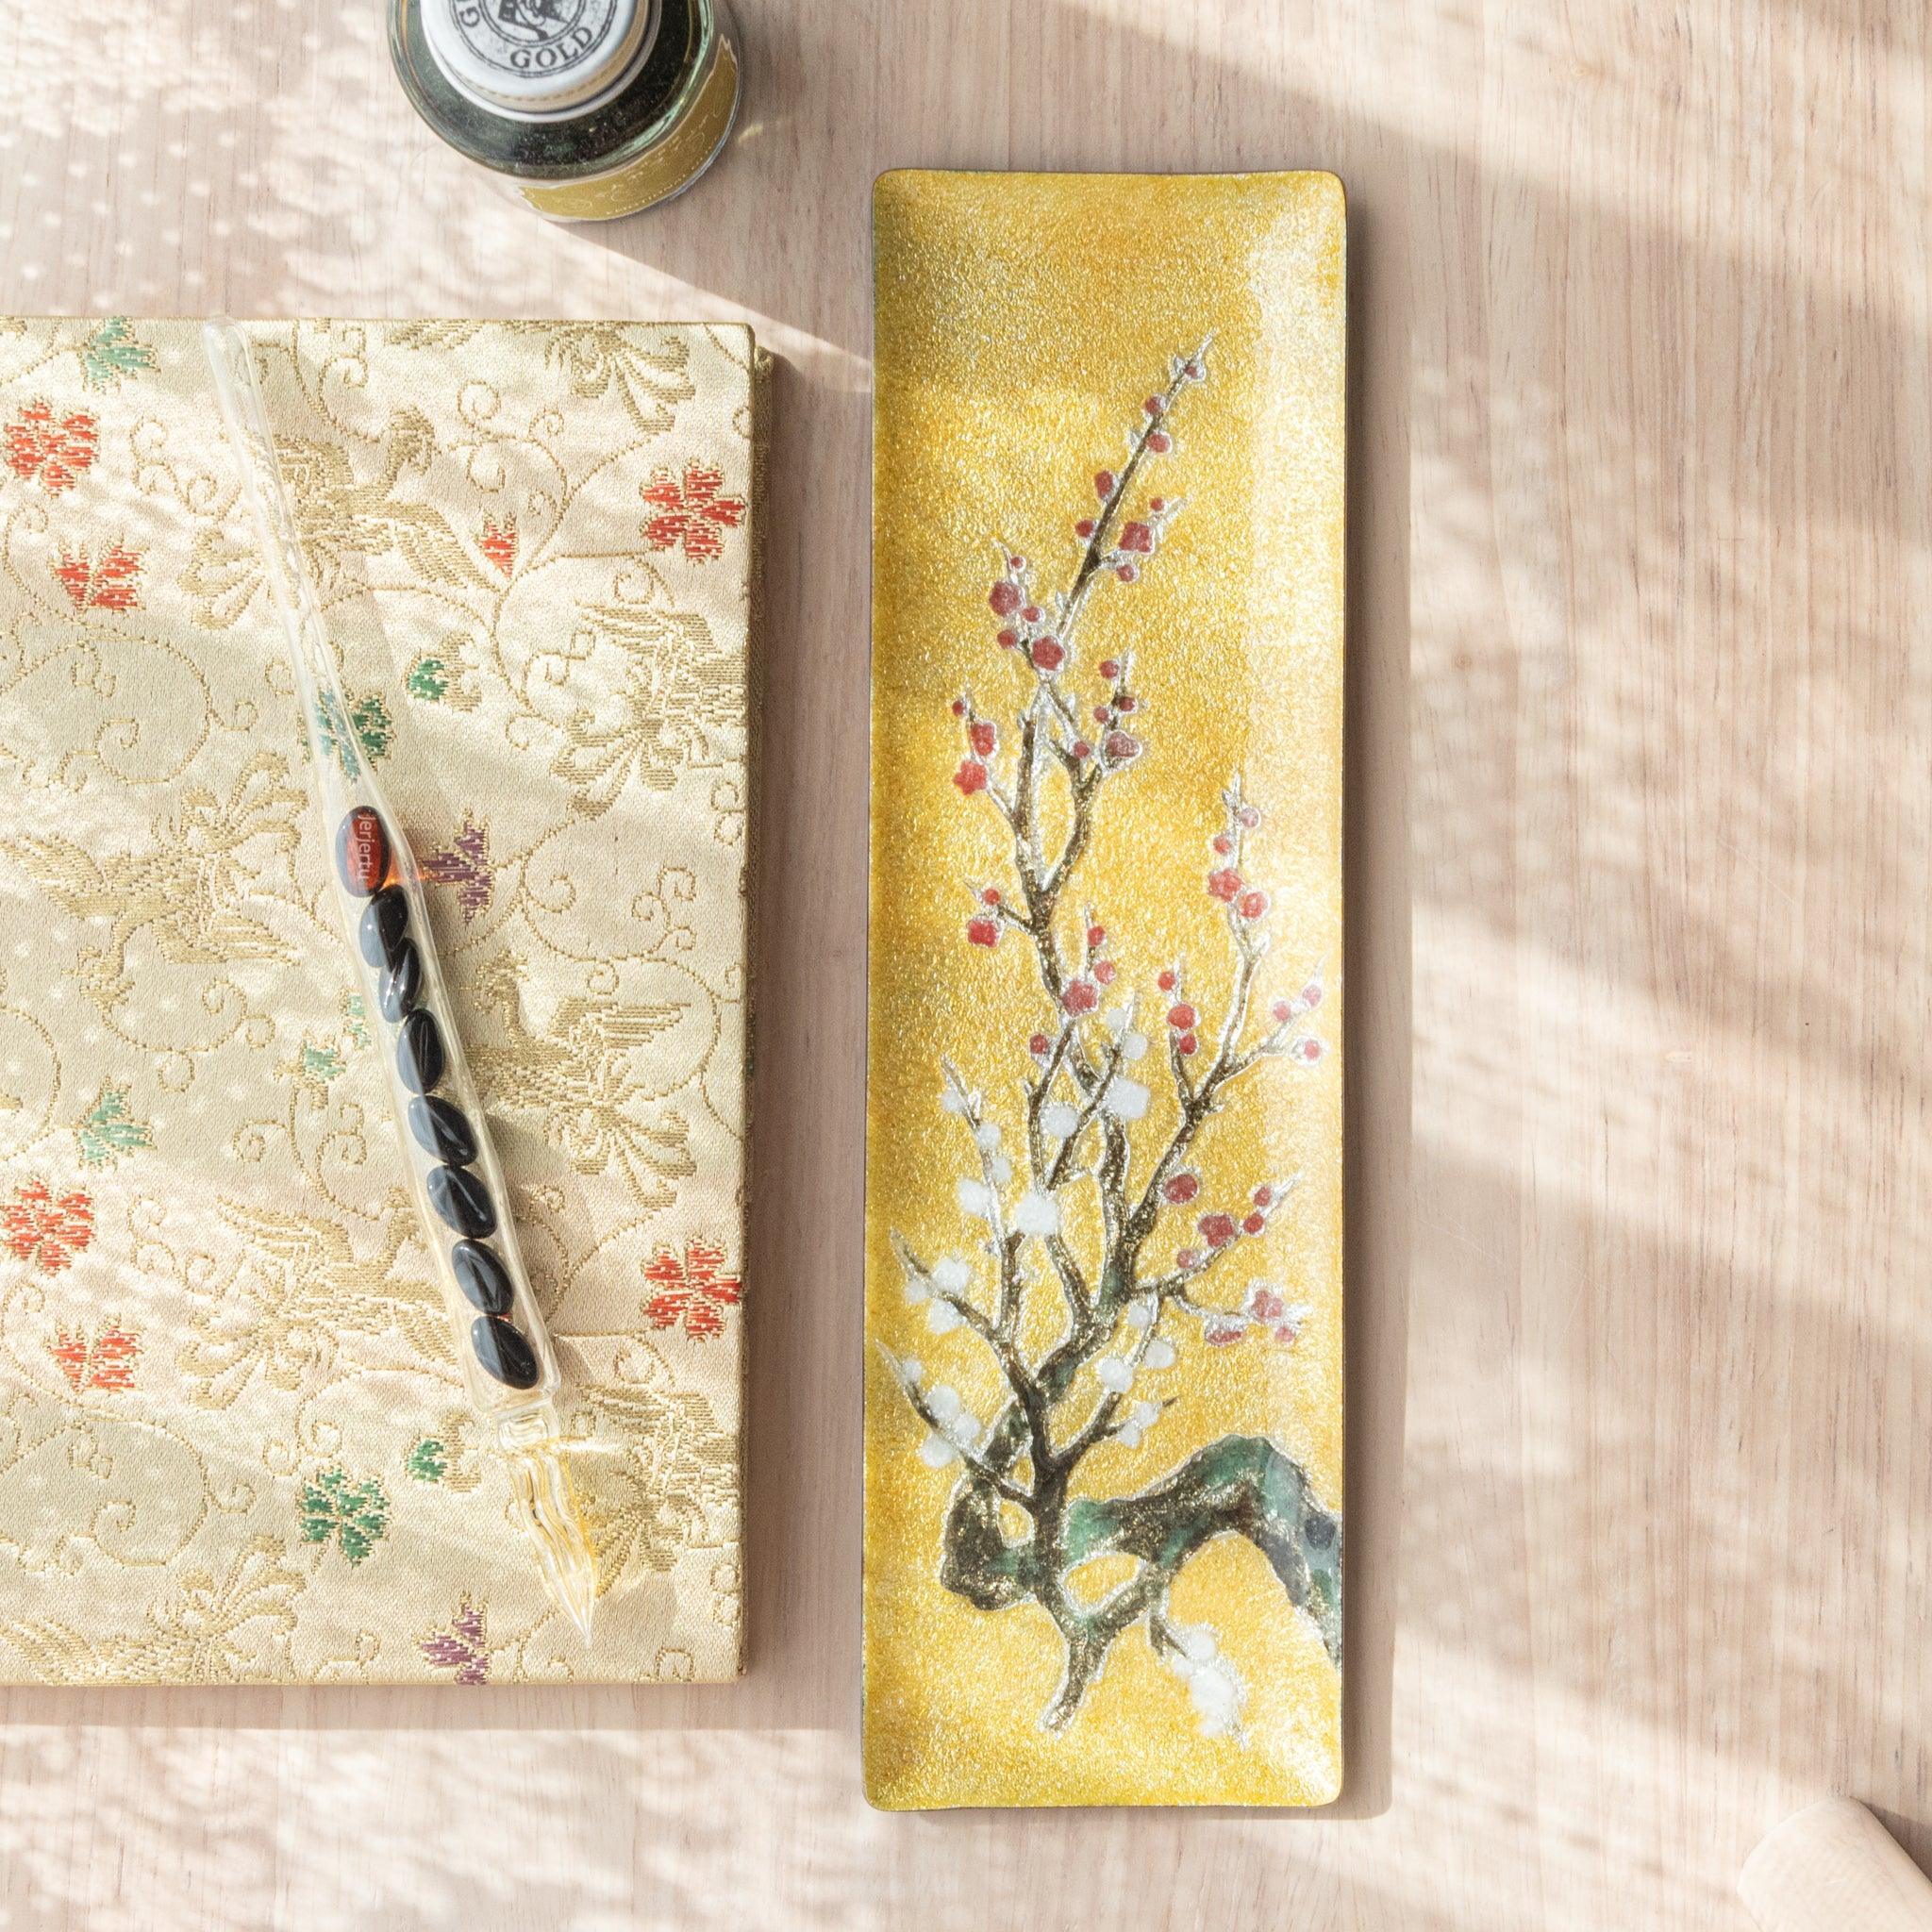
pixel 1648 1398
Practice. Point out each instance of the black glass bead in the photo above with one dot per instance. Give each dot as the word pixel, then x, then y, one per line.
pixel 401 984
pixel 482 1277
pixel 362 850
pixel 420 1058
pixel 385 920
pixel 504 1352
pixel 444 1129
pixel 463 1200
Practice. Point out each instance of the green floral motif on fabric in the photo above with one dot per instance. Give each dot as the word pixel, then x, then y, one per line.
pixel 112 352
pixel 320 1059
pixel 109 1130
pixel 428 678
pixel 373 730
pixel 353 1515
pixel 320 1063
pixel 212 1272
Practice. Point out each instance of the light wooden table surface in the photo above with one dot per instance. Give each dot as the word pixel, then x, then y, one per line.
pixel 1641 734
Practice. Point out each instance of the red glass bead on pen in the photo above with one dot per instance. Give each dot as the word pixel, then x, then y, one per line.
pixel 362 851
pixel 508 1363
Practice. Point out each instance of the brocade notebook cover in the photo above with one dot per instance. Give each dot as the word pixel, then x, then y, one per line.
pixel 1103 1425
pixel 234 1446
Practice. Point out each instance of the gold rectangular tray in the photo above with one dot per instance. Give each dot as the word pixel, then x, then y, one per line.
pixel 1104 1416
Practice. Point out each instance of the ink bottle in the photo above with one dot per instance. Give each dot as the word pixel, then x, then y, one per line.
pixel 594 109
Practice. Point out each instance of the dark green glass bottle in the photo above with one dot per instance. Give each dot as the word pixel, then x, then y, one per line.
pixel 596 109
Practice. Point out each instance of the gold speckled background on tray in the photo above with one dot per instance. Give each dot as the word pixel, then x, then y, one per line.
pixel 1021 323
pixel 233 1441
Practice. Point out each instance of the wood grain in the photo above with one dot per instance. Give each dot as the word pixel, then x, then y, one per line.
pixel 1640 728
pixel 1833 1864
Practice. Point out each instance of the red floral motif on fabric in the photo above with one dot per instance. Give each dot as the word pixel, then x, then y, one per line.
pixel 103 1361
pixel 498 542
pixel 692 1291
pixel 690 514
pixel 49 1233
pixel 59 452
pixel 113 583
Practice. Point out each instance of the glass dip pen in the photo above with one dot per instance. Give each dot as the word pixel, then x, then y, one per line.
pixel 508 1364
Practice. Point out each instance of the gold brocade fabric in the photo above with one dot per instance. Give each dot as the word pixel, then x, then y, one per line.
pixel 233 1444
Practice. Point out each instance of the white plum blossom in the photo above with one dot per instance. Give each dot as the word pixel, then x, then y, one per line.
pixel 913 1370
pixel 1037 1213
pixel 1100 1257
pixel 975 1198
pixel 1218 1697
pixel 957 1423
pixel 960 1430
pixel 1198 1643
pixel 1217 1692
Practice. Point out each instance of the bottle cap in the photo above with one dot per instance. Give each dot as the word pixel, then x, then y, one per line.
pixel 539 60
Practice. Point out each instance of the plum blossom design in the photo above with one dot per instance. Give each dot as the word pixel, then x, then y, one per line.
pixel 57 453
pixel 690 512
pixel 111 582
pixel 459 1644
pixel 48 1232
pixel 1194 1654
pixel 91 1361
pixel 336 1509
pixel 498 541
pixel 112 352
pixel 692 1291
pixel 1084 1136
pixel 464 864
pixel 108 1129
pixel 367 724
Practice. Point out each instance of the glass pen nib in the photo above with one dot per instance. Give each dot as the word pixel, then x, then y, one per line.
pixel 546 1508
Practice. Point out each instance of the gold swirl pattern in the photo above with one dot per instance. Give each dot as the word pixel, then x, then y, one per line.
pixel 233 1443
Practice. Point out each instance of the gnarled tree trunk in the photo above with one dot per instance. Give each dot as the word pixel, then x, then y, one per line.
pixel 1240 1485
